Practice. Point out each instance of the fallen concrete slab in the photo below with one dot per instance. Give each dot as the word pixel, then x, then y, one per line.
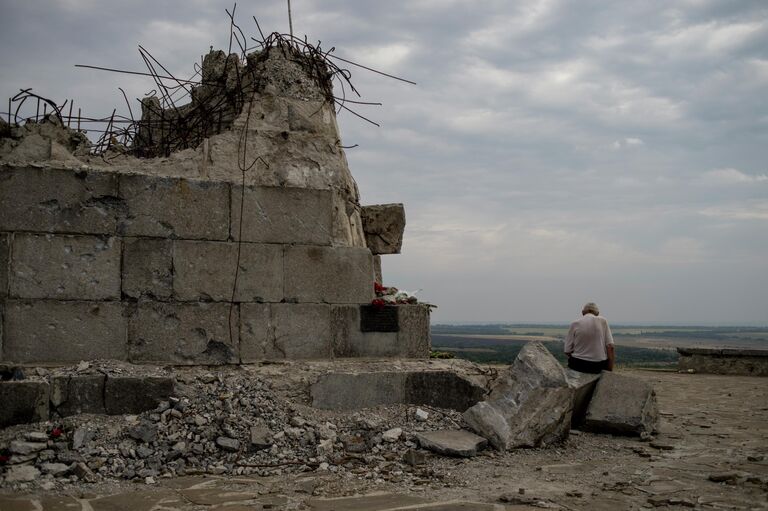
pixel 530 404
pixel 583 385
pixel 622 405
pixel 452 442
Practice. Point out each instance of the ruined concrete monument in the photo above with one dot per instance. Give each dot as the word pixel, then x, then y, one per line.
pixel 230 232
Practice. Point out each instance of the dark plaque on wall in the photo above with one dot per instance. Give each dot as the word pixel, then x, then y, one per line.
pixel 379 319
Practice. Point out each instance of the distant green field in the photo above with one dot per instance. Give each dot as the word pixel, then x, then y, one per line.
pixel 636 346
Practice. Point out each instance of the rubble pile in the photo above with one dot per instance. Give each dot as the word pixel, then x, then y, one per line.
pixel 225 423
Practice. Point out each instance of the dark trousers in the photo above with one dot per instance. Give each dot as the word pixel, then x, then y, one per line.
pixel 586 366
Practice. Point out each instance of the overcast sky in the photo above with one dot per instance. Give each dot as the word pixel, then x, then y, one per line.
pixel 552 153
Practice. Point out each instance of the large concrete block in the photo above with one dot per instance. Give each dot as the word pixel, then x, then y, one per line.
pixel 328 274
pixel 147 268
pixel 205 270
pixel 414 337
pixel 282 215
pixel 23 402
pixel 285 331
pixel 530 404
pixel 174 208
pixel 65 267
pixel 183 333
pixel 349 341
pixel 61 332
pixel 312 116
pixel 583 385
pixel 48 200
pixel 73 395
pixel 383 225
pixel 622 405
pixel 127 394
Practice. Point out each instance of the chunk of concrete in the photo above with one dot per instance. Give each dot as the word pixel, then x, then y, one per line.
pixel 61 332
pixel 147 268
pixel 414 337
pixel 73 395
pixel 23 402
pixel 126 394
pixel 21 474
pixel 622 405
pixel 328 274
pixel 383 225
pixel 63 201
pixel 184 333
pixel 583 385
pixel 530 404
pixel 285 331
pixel 205 270
pixel 174 208
pixel 65 267
pixel 282 215
pixel 452 442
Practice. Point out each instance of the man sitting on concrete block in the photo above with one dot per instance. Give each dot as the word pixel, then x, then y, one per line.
pixel 589 343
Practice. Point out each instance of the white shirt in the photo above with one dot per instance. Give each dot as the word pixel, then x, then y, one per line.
pixel 588 338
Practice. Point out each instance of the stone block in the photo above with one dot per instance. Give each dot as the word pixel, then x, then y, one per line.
pixel 383 225
pixel 377 276
pixel 282 215
pixel 126 394
pixel 452 442
pixel 5 248
pixel 205 270
pixel 62 332
pixel 147 268
pixel 530 404
pixel 349 341
pixel 442 389
pixel 62 201
pixel 285 331
pixel 583 385
pixel 183 333
pixel 328 274
pixel 622 405
pixel 73 395
pixel 23 402
pixel 65 267
pixel 414 337
pixel 174 208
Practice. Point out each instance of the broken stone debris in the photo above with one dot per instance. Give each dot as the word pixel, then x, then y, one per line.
pixel 529 405
pixel 622 405
pixel 452 442
pixel 383 225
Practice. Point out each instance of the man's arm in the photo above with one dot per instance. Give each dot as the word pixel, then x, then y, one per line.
pixel 611 356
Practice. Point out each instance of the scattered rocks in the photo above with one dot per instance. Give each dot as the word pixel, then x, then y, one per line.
pixel 392 435
pixel 228 444
pixel 21 473
pixel 145 432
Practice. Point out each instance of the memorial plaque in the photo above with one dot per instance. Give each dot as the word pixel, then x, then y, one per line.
pixel 378 319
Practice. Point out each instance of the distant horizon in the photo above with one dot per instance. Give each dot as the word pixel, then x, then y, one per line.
pixel 613 324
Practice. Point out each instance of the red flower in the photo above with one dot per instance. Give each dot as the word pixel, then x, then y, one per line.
pixel 4 459
pixel 378 303
pixel 56 432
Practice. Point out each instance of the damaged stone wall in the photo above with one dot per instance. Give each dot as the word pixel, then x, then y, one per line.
pixel 135 259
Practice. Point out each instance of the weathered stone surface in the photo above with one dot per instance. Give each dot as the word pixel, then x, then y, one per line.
pixel 65 267
pixel 228 444
pixel 5 249
pixel 583 385
pixel 349 391
pixel 52 331
pixel 73 395
pixel 282 215
pixel 622 405
pixel 23 402
pixel 452 442
pixel 529 405
pixel 414 338
pixel 383 225
pixel 174 208
pixel 21 473
pixel 349 341
pixel 123 394
pixel 184 334
pixel 205 270
pixel 312 116
pixel 377 276
pixel 22 447
pixel 285 330
pixel 261 437
pixel 328 274
pixel 147 268
pixel 46 200
pixel 347 224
